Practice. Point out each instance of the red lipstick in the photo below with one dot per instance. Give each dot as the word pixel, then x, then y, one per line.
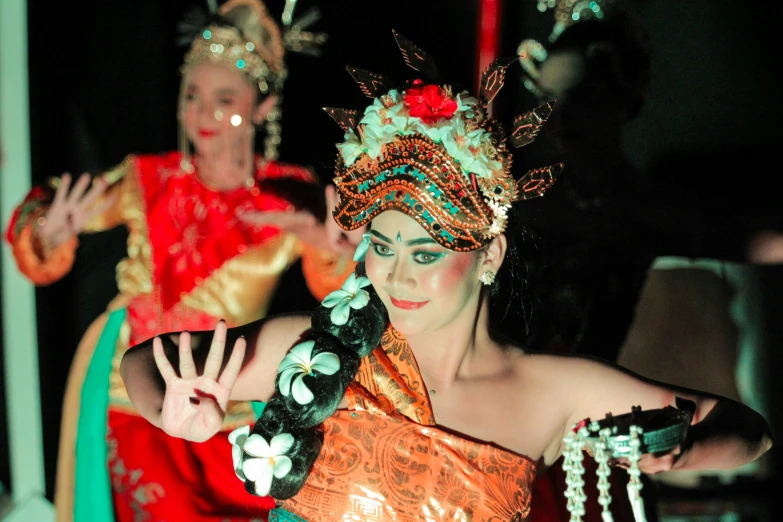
pixel 205 133
pixel 407 305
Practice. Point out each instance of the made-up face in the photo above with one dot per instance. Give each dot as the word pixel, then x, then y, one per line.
pixel 219 107
pixel 423 285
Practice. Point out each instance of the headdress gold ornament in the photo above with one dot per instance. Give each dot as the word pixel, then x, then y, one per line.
pixel 435 155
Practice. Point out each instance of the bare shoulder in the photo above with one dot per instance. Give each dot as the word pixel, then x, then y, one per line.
pixel 591 387
pixel 560 369
pixel 564 389
pixel 550 369
pixel 552 378
pixel 581 384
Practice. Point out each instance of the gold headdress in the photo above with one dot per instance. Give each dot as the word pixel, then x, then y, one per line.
pixel 435 155
pixel 249 40
pixel 567 12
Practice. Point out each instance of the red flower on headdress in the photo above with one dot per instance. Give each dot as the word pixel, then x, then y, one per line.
pixel 429 102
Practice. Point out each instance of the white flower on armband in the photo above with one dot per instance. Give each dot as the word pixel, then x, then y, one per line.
pixel 300 362
pixel 361 250
pixel 349 296
pixel 259 461
pixel 237 439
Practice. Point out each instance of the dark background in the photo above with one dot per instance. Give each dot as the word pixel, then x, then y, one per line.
pixel 104 82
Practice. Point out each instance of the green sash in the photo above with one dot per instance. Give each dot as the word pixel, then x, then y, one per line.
pixel 92 489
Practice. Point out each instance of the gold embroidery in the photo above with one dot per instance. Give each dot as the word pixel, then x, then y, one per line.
pixel 128 483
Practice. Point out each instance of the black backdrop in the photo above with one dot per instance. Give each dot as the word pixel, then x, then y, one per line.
pixel 103 79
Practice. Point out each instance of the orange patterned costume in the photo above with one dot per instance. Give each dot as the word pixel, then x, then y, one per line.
pixel 384 458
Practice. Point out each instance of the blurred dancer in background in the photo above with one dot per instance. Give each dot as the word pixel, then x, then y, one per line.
pixel 198 251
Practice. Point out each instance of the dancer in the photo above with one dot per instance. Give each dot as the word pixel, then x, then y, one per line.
pixel 197 252
pixel 394 400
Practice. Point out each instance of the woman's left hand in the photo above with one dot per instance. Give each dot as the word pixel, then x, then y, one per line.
pixel 326 236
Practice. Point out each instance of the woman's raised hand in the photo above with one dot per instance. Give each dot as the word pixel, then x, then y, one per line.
pixel 71 210
pixel 194 406
pixel 326 236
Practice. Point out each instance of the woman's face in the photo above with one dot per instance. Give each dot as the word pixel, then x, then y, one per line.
pixel 423 285
pixel 218 107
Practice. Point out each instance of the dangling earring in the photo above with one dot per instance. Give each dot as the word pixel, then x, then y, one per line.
pixel 251 132
pixel 185 162
pixel 273 130
pixel 488 277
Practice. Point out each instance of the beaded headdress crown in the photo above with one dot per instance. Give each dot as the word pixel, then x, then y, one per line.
pixel 434 154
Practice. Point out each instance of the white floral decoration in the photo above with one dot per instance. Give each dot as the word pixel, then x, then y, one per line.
pixel 469 105
pixel 237 439
pixel 500 213
pixel 437 132
pixel 388 118
pixel 392 120
pixel 349 296
pixel 373 138
pixel 351 148
pixel 266 460
pixel 300 362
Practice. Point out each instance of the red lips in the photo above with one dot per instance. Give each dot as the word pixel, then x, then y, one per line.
pixel 407 305
pixel 206 133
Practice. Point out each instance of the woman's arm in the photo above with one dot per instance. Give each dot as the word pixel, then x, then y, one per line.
pixel 268 341
pixel 723 434
pixel 43 229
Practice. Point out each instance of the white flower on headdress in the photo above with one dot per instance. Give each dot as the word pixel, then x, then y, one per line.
pixel 300 362
pixel 382 124
pixel 460 143
pixel 267 460
pixel 381 113
pixel 388 117
pixel 349 296
pixel 351 148
pixel 480 165
pixel 435 132
pixel 470 149
pixel 386 100
pixel 467 104
pixel 373 138
pixel 361 250
pixel 500 213
pixel 393 97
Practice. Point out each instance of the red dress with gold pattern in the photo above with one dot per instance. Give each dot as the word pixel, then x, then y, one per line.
pixel 191 261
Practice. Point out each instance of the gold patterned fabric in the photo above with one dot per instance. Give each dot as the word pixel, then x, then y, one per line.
pixel 238 289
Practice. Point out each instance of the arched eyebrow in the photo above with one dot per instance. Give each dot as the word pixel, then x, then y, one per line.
pixel 412 242
pixel 420 241
pixel 227 91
